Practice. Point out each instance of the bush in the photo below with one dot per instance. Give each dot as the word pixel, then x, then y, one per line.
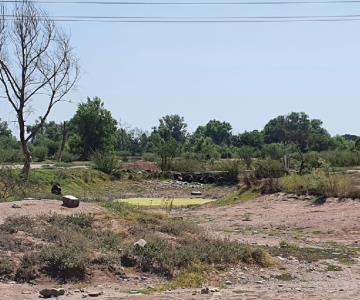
pixel 318 183
pixel 68 157
pixel 106 162
pixel 187 165
pixel 7 268
pixel 40 153
pixel 11 156
pixel 11 184
pixel 67 261
pixel 149 157
pixel 268 169
pixel 344 158
pixel 28 268
pixel 165 258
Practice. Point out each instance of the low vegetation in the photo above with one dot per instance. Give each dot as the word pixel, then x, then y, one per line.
pixel 68 248
pixel 237 197
pixel 319 183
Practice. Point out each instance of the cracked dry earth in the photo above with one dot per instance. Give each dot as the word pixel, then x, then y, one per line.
pixel 267 221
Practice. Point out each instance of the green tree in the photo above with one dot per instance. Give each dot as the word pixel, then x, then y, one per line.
pixel 219 132
pixel 299 130
pixel 4 129
pixel 165 146
pixel 95 128
pixel 176 125
pixel 253 138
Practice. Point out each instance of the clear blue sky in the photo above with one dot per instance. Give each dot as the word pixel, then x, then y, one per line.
pixel 241 73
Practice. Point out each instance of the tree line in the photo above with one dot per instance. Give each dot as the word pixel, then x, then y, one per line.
pixel 94 129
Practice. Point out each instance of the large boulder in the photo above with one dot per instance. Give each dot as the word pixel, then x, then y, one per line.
pixel 70 201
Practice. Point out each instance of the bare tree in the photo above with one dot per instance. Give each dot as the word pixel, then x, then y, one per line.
pixel 36 64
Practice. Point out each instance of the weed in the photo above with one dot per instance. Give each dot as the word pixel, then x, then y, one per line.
pixel 28 269
pixel 284 277
pixel 237 197
pixel 68 261
pixel 7 268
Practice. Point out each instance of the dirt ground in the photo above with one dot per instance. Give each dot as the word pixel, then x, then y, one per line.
pixel 267 221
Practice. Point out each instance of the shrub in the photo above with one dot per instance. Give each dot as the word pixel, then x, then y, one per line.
pixel 165 258
pixel 187 165
pixel 7 268
pixel 40 153
pixel 67 261
pixel 344 158
pixel 68 157
pixel 79 220
pixel 11 155
pixel 149 157
pixel 105 162
pixel 268 169
pixel 10 183
pixel 28 268
pixel 319 183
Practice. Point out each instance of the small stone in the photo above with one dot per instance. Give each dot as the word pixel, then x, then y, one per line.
pixel 15 206
pixel 140 243
pixel 49 293
pixel 228 282
pixel 94 294
pixel 214 290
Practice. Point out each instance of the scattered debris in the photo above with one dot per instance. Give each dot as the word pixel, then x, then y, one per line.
pixel 196 193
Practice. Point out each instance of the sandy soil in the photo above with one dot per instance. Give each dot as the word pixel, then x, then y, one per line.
pixel 41 207
pixel 267 221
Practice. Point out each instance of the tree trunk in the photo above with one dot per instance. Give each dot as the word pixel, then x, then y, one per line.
pixel 63 141
pixel 302 162
pixel 25 149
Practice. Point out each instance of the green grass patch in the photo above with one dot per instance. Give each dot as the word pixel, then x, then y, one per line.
pixel 237 197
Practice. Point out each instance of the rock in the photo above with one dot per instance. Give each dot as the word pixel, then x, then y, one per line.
pixel 140 243
pixel 15 206
pixel 205 291
pixel 70 201
pixel 214 290
pixel 228 282
pixel 196 193
pixel 94 294
pixel 49 293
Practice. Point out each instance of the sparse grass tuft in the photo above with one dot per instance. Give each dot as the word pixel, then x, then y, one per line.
pixel 237 197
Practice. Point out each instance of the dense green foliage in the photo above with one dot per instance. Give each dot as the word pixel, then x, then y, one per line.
pixel 294 140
